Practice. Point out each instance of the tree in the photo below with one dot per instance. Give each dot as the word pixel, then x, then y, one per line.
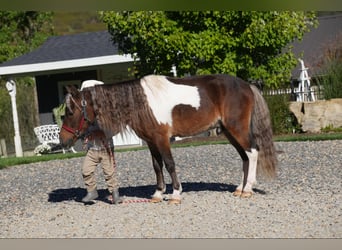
pixel 22 31
pixel 251 44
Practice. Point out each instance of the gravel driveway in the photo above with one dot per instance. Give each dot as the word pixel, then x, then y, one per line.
pixel 42 200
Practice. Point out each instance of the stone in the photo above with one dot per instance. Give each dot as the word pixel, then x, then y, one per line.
pixel 313 116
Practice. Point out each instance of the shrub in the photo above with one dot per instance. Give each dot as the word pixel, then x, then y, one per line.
pixel 42 149
pixel 330 74
pixel 283 120
pixel 331 80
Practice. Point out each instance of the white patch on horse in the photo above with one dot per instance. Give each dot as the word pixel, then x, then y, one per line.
pixel 158 194
pixel 90 83
pixel 177 194
pixel 163 95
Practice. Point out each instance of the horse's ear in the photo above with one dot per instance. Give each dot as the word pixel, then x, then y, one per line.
pixel 71 89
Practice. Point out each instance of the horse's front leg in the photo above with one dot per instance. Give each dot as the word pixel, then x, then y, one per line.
pixel 176 185
pixel 157 162
pixel 161 152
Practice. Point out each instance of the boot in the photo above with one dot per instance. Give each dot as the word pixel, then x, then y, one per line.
pixel 116 199
pixel 90 196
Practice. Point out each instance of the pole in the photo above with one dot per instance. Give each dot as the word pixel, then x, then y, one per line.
pixel 174 70
pixel 10 85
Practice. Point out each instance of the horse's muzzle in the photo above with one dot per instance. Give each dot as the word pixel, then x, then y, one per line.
pixel 66 144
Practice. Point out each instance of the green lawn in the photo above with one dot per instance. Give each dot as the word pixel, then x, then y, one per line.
pixel 12 161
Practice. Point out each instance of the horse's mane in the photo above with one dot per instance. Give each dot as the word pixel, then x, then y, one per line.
pixel 121 104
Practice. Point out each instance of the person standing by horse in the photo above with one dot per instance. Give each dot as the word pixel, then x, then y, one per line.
pixel 99 151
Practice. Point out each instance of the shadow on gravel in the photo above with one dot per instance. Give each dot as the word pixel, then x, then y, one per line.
pixel 144 192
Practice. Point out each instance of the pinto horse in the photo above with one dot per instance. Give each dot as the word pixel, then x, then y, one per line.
pixel 157 107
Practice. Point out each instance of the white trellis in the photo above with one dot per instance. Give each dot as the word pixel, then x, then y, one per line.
pixel 304 92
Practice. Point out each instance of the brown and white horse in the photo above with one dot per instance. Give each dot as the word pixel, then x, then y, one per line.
pixel 157 107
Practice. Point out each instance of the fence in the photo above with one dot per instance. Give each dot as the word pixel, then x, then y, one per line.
pixel 295 94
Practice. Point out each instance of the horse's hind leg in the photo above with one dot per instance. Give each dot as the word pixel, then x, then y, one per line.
pixel 157 162
pixel 246 147
pixel 248 179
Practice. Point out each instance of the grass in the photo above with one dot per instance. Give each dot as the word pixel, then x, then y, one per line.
pixel 309 137
pixel 12 161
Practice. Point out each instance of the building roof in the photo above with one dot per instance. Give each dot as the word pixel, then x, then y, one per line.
pixel 66 52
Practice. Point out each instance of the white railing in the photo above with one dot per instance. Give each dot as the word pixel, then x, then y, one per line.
pixel 298 95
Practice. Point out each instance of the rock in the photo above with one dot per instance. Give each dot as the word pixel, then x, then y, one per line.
pixel 313 116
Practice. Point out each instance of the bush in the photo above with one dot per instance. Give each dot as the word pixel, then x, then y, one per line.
pixel 330 74
pixel 42 149
pixel 283 120
pixel 331 80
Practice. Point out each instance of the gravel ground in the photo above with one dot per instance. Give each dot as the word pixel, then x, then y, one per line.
pixel 42 200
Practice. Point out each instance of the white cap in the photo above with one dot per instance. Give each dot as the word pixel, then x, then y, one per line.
pixel 90 83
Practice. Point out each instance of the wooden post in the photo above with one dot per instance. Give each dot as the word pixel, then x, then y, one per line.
pixel 3 149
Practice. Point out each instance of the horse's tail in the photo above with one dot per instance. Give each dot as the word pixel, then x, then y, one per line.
pixel 262 132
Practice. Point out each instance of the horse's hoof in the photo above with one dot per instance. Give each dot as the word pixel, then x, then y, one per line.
pixel 246 194
pixel 237 192
pixel 174 201
pixel 156 199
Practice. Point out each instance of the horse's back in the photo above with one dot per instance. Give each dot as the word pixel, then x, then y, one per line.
pixel 215 79
pixel 215 85
pixel 220 89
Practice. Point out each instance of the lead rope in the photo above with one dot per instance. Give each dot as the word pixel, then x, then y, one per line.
pixel 111 155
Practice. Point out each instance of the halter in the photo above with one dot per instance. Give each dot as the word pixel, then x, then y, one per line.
pixel 76 132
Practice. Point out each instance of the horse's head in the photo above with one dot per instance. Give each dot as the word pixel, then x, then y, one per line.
pixel 79 115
